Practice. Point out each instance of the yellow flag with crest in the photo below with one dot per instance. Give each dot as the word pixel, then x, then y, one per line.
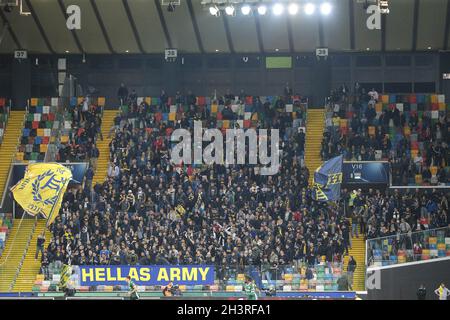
pixel 42 188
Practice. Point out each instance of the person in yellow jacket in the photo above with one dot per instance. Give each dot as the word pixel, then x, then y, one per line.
pixel 442 292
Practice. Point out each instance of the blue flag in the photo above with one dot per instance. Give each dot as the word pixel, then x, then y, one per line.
pixel 327 180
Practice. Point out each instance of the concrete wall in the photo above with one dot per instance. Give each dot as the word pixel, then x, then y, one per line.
pixel 202 74
pixel 402 281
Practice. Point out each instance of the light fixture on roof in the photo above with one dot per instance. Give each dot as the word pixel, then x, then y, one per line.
pixel 229 10
pixel 429 48
pixel 309 8
pixel 277 9
pixel 67 51
pixel 262 10
pixel 277 49
pixel 293 9
pixel 127 51
pixel 368 49
pixel 214 11
pixel 217 50
pixel 246 9
pixel 325 8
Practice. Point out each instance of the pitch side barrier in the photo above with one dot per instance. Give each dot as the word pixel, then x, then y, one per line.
pixel 201 295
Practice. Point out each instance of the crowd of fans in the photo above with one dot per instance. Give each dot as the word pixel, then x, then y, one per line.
pixel 150 211
pixel 357 143
pixel 86 124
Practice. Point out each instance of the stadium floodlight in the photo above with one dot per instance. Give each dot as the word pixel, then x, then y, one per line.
pixel 325 8
pixel 293 9
pixel 277 9
pixel 214 11
pixel 310 8
pixel 246 9
pixel 262 9
pixel 229 10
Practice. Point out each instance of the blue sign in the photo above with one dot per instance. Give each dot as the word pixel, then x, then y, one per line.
pixel 373 172
pixel 146 275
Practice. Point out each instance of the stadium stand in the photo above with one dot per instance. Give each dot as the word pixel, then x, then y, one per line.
pixel 408 130
pixel 37 132
pixel 141 137
pixel 149 211
pixel 408 247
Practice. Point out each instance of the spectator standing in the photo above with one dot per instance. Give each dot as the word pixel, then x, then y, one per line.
pixel 422 293
pixel 84 108
pixel 89 176
pixel 95 153
pixel 373 94
pixel 40 245
pixel 122 93
pixel 343 283
pixel 288 92
pixel 351 267
pixel 70 289
pixel 442 292
pixel 301 141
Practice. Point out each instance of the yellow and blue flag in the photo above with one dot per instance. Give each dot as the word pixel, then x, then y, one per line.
pixel 66 272
pixel 327 180
pixel 42 188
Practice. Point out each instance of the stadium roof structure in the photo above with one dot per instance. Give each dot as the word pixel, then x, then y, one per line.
pixel 145 26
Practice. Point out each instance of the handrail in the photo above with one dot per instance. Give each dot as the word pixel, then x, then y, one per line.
pixel 408 233
pixel 5 191
pixel 8 112
pixel 12 245
pixel 25 251
pixel 377 244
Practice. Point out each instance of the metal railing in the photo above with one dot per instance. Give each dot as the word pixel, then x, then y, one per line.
pixel 8 113
pixel 25 251
pixel 13 160
pixel 408 247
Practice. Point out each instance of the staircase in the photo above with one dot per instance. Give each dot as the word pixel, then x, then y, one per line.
pixel 103 147
pixel 358 251
pixel 9 145
pixel 30 267
pixel 14 250
pixel 314 132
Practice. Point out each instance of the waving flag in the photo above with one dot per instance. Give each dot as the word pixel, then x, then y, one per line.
pixel 42 189
pixel 327 180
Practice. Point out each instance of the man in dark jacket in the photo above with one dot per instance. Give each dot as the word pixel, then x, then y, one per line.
pixel 422 293
pixel 343 284
pixel 351 267
pixel 122 93
pixel 40 245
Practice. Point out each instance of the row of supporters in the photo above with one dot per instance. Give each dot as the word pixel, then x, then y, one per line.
pixel 413 136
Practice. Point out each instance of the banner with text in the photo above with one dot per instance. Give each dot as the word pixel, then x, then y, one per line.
pixel 146 275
